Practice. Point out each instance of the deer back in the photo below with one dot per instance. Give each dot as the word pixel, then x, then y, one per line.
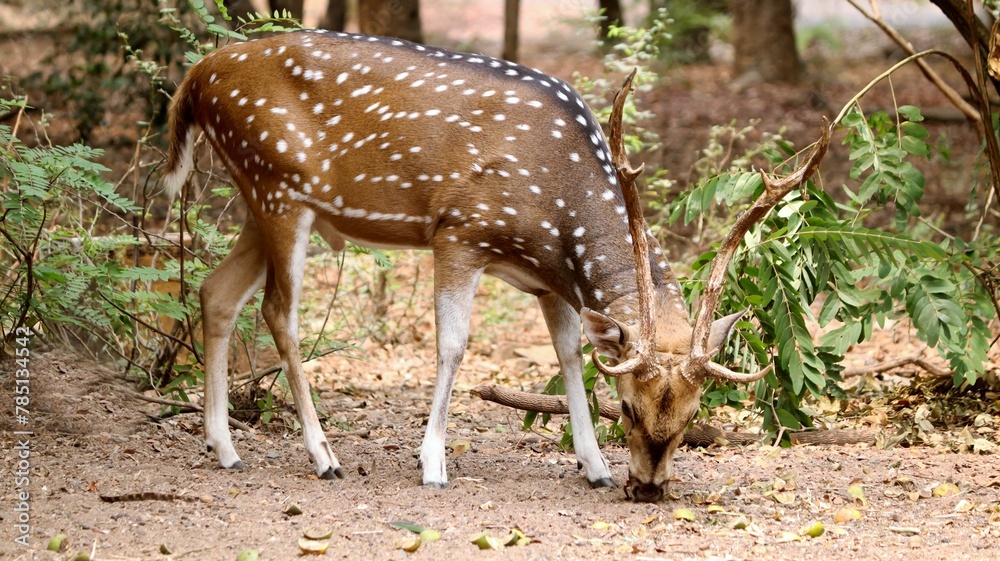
pixel 395 144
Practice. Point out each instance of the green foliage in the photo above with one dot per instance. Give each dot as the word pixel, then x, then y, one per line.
pixel 91 61
pixel 120 48
pixel 693 24
pixel 633 48
pixel 88 265
pixel 814 251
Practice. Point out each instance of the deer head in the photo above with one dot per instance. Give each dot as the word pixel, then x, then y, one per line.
pixel 662 361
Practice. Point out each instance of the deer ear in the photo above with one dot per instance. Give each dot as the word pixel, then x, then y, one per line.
pixel 607 335
pixel 721 328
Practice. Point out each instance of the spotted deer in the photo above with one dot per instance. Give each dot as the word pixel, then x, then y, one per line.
pixel 495 167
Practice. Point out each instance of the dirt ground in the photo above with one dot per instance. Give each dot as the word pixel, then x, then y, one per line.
pixel 91 438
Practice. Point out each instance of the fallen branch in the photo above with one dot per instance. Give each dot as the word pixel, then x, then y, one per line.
pixel 188 406
pixel 888 365
pixel 696 435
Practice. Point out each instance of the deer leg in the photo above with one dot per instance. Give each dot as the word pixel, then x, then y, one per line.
pixel 223 294
pixel 454 287
pixel 564 328
pixel 287 251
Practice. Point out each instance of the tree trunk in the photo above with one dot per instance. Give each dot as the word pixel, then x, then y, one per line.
pixel 293 6
pixel 511 17
pixel 238 8
pixel 973 30
pixel 393 18
pixel 335 16
pixel 611 12
pixel 764 41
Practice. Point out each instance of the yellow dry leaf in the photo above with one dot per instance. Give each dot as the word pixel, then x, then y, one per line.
pixel 846 515
pixel 485 541
pixel 318 533
pixel 782 498
pixel 964 505
pixel 813 530
pixel 429 535
pixel 313 546
pixel 601 525
pixel 789 537
pixel 459 447
pixel 858 492
pixel 408 544
pixel 945 490
pixel 684 514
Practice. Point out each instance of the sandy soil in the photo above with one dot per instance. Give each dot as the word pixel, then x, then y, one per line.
pixel 91 439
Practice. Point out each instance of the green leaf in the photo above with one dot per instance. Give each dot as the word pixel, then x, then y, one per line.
pixel 910 113
pixel 407 526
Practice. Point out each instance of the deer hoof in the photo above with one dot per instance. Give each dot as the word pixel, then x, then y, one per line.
pixel 239 466
pixel 332 473
pixel 436 485
pixel 603 482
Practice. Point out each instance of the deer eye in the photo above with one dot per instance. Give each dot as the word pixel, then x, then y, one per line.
pixel 627 412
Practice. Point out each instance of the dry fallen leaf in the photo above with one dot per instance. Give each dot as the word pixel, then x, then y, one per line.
pixel 684 514
pixel 459 447
pixel 485 541
pixel 846 515
pixel 318 533
pixel 314 547
pixel 57 543
pixel 781 498
pixel 813 530
pixel 408 544
pixel 789 537
pixel 516 538
pixel 858 492
pixel 248 555
pixel 964 505
pixel 945 490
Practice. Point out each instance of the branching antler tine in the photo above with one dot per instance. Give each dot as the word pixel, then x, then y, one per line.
pixel 627 367
pixel 636 224
pixel 697 365
pixel 717 371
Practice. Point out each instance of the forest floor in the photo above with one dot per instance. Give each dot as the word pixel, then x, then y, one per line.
pixel 934 496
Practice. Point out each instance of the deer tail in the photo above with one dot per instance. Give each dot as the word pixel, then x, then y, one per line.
pixel 180 159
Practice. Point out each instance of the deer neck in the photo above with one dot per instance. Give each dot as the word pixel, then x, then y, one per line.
pixel 602 274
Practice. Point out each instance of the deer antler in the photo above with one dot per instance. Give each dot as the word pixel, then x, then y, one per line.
pixel 699 365
pixel 641 365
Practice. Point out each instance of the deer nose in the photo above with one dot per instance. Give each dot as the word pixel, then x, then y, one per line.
pixel 647 492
